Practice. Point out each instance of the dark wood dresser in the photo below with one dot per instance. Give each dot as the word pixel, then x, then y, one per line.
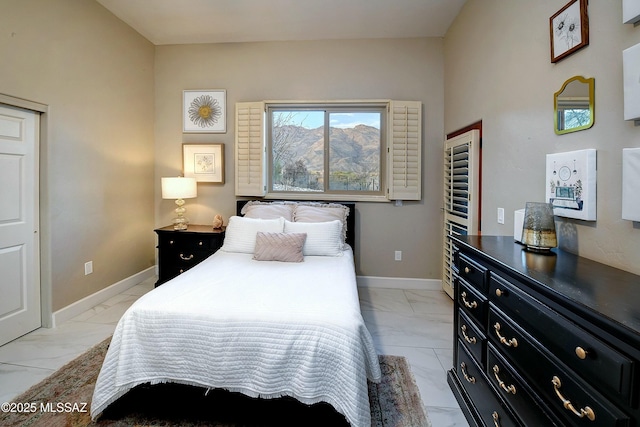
pixel 178 251
pixel 543 339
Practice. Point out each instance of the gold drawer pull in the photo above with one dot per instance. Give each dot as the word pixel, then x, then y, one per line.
pixel 186 258
pixel 499 292
pixel 581 353
pixel 181 271
pixel 496 419
pixel 463 368
pixel 467 270
pixel 586 411
pixel 468 304
pixel 200 243
pixel 471 340
pixel 509 389
pixel 509 343
pixel 171 242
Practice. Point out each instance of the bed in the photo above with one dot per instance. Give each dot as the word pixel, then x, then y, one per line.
pixel 247 321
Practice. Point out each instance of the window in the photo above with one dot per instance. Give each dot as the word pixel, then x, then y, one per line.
pixel 329 151
pixel 325 149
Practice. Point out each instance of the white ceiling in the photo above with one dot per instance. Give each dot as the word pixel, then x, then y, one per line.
pixel 220 21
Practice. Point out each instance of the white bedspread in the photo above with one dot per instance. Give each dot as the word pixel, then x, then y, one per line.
pixel 265 329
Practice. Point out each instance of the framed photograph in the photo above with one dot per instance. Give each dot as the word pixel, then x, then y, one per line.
pixel 204 162
pixel 204 111
pixel 569 29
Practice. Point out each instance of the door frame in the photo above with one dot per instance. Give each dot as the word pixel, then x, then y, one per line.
pixel 478 126
pixel 46 312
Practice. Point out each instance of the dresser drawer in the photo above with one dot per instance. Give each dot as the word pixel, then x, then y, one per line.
pixel 472 302
pixel 472 272
pixel 471 337
pixel 512 388
pixel 568 396
pixel 487 405
pixel 185 257
pixel 595 361
pixel 168 272
pixel 189 241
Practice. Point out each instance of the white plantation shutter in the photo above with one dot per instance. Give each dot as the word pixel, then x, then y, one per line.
pixel 461 184
pixel 250 173
pixel 404 152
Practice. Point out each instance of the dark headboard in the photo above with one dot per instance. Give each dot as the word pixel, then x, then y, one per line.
pixel 351 219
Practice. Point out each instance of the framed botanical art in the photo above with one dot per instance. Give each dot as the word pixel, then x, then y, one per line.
pixel 204 111
pixel 204 162
pixel 569 29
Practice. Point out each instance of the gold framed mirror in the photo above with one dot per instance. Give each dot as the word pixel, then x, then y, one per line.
pixel 574 105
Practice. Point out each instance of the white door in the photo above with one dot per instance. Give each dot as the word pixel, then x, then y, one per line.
pixel 19 223
pixel 461 195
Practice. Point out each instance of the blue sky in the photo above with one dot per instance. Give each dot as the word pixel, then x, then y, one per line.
pixel 315 119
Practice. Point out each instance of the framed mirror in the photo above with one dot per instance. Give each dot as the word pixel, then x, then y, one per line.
pixel 574 105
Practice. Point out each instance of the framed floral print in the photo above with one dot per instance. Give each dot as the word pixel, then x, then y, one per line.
pixel 569 29
pixel 204 111
pixel 204 162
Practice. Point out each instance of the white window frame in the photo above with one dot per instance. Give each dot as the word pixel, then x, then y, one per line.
pixel 402 153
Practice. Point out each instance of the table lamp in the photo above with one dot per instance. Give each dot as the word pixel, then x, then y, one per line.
pixel 179 188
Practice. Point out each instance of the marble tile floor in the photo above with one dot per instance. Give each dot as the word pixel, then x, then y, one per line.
pixel 416 324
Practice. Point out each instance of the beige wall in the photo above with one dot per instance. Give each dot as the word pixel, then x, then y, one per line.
pixel 407 69
pixel 96 76
pixel 498 69
pixel 114 126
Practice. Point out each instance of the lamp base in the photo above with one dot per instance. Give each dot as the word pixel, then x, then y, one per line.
pixel 180 221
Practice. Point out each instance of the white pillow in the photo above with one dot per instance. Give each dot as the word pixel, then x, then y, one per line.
pixel 322 212
pixel 240 235
pixel 323 238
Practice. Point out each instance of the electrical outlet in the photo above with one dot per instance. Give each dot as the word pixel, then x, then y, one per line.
pixel 88 268
pixel 500 215
pixel 398 256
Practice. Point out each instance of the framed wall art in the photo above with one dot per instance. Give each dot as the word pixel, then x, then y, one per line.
pixel 571 184
pixel 204 111
pixel 631 184
pixel 631 83
pixel 569 29
pixel 631 11
pixel 204 162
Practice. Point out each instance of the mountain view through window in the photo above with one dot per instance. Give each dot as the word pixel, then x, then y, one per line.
pixel 326 150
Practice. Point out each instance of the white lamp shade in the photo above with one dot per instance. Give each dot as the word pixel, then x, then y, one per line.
pixel 179 188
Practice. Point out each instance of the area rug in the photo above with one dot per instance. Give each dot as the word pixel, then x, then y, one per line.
pixel 64 400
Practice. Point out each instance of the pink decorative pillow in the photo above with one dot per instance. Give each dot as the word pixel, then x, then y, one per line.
pixel 286 247
pixel 269 211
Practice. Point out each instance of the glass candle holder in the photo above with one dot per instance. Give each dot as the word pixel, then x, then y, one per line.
pixel 539 228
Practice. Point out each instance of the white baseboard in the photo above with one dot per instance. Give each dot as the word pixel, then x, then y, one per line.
pixel 90 301
pixel 399 283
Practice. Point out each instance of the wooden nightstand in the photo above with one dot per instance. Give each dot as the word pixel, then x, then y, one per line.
pixel 178 251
